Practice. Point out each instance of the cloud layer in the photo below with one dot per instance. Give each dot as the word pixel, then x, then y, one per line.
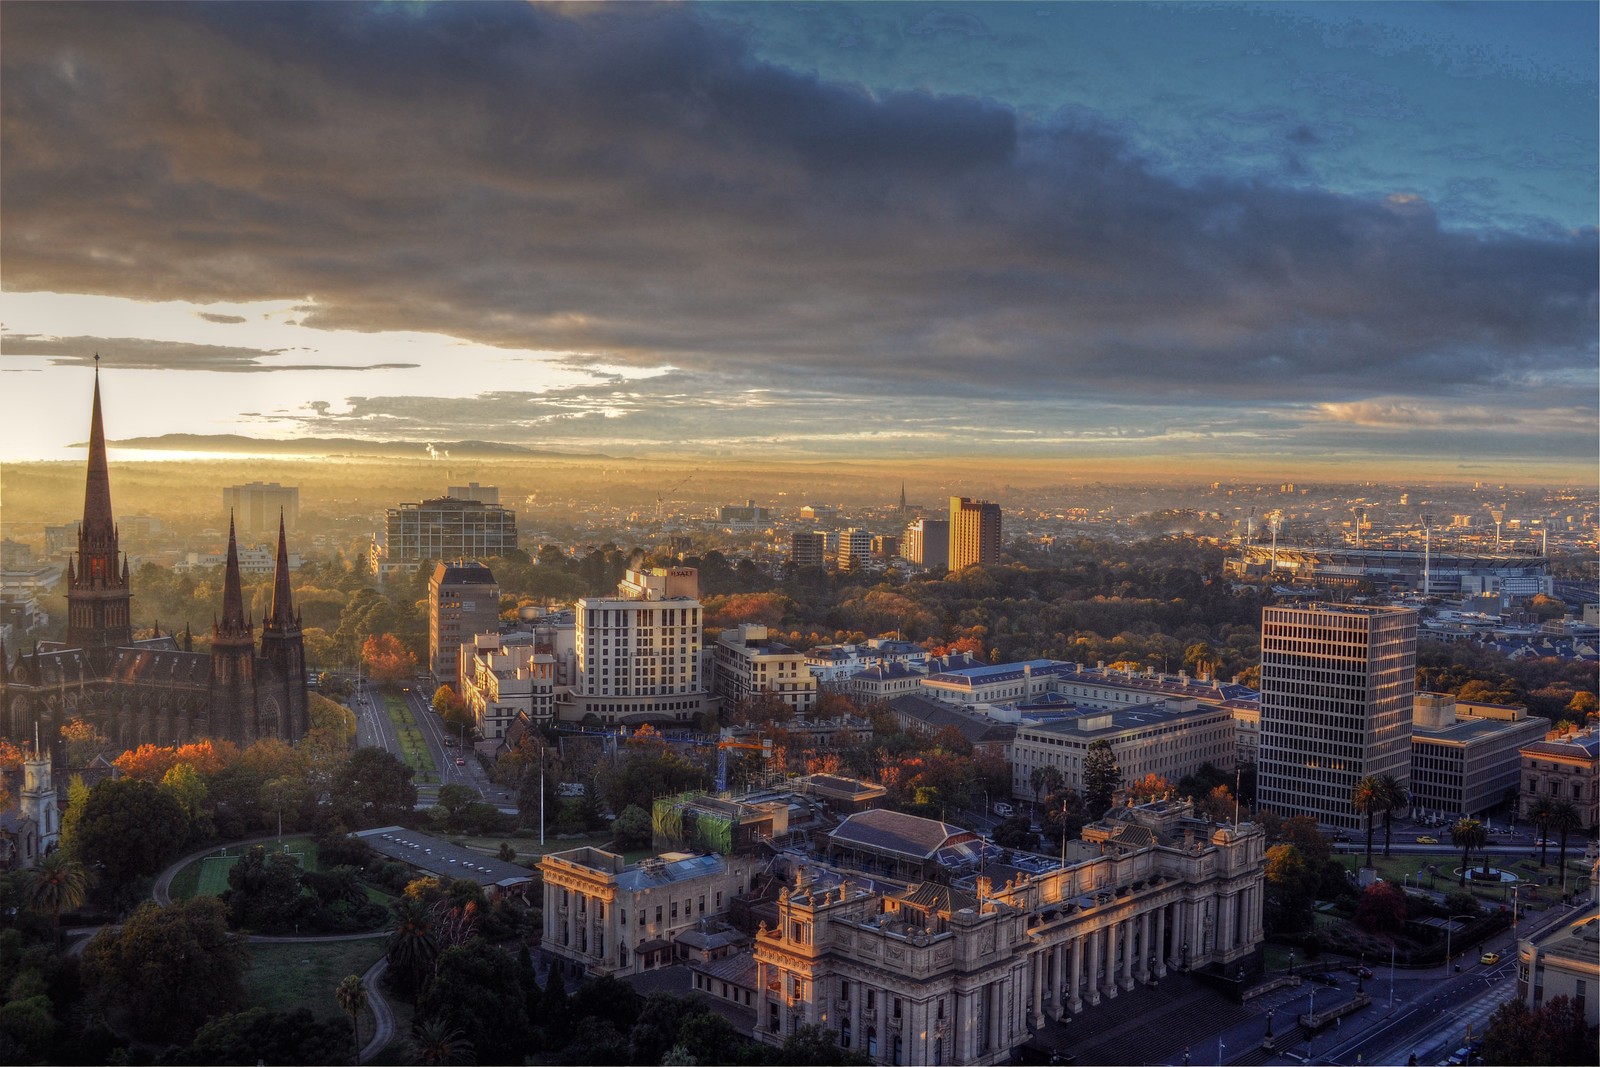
pixel 631 182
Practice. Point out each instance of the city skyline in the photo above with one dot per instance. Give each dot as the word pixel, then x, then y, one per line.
pixel 1359 238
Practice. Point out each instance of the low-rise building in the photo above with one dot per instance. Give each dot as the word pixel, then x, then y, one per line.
pixel 1563 963
pixel 1564 768
pixel 1465 756
pixel 1150 739
pixel 934 973
pixel 749 664
pixel 884 681
pixel 615 918
pixel 915 713
pixel 505 678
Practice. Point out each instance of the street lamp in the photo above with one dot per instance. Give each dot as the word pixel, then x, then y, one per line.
pixel 1448 931
pixel 1270 1013
pixel 1291 963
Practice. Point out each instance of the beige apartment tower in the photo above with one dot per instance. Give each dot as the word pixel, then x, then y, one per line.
pixel 974 532
pixel 1337 687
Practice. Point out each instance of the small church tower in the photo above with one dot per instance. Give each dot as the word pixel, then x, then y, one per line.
pixel 39 801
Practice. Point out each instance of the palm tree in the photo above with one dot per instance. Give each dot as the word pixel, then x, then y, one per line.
pixel 438 1043
pixel 1367 799
pixel 412 944
pixel 1468 834
pixel 1564 818
pixel 352 997
pixel 58 883
pixel 1539 810
pixel 1045 780
pixel 1393 796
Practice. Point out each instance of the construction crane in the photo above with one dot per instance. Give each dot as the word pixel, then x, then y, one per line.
pixel 667 493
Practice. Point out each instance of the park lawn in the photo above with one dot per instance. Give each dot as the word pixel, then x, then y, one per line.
pixel 305 974
pixel 1403 870
pixel 207 876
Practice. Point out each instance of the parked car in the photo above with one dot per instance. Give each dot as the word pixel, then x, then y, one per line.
pixel 460 762
pixel 1325 978
pixel 1003 809
pixel 1489 958
pixel 1356 968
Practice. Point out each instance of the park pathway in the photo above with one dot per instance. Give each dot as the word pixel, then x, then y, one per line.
pixel 382 1013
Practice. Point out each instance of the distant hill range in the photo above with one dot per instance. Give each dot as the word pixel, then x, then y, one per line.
pixel 341 446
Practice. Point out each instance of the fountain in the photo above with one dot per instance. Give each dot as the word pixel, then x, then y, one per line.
pixel 1493 875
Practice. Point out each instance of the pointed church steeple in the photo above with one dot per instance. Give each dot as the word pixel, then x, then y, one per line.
pixel 280 615
pixel 99 603
pixel 233 622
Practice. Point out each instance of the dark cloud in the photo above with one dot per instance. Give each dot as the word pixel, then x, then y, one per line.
pixel 629 182
pixel 211 316
pixel 134 353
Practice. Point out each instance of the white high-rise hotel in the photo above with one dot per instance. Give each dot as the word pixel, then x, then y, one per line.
pixel 1336 695
pixel 639 652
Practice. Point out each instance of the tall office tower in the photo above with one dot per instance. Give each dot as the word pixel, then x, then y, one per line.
pixel 1336 705
pixel 807 548
pixel 463 601
pixel 927 543
pixel 446 528
pixel 257 506
pixel 855 548
pixel 974 532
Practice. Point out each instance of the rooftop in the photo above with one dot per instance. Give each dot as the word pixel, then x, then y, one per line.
pixel 894 831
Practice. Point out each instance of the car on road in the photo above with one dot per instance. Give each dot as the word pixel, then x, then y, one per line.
pixel 460 762
pixel 1427 839
pixel 1489 958
pixel 1356 968
pixel 1325 978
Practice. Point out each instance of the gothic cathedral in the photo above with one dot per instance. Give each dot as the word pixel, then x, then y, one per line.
pixel 151 690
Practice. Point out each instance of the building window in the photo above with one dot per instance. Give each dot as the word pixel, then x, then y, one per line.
pixel 896 1046
pixel 872 1042
pixel 658 913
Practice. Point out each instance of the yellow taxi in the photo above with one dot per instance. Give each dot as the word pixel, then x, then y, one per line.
pixel 1489 958
pixel 1427 839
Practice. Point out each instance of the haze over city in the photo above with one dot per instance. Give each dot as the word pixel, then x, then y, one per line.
pixel 1350 240
pixel 770 534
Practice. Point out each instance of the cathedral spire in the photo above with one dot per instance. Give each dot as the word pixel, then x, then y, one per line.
pixel 233 622
pixel 97 519
pixel 281 613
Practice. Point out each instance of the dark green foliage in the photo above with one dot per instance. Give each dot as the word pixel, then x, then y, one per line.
pixel 596 1041
pixel 1100 777
pixel 632 829
pixel 412 946
pixel 812 1046
pixel 128 830
pixel 167 970
pixel 1014 833
pixel 261 1036
pixel 373 788
pixel 477 990
pixel 1552 1034
pixel 269 893
pixel 555 1018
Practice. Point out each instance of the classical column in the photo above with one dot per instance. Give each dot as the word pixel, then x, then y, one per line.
pixel 1094 967
pixel 1037 975
pixel 1055 980
pixel 1075 983
pixel 1126 970
pixel 1143 974
pixel 1161 941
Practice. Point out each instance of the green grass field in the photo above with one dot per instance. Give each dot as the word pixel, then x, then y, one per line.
pixel 412 747
pixel 208 876
pixel 282 977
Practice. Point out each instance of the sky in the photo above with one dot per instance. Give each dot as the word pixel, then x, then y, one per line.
pixel 1173 236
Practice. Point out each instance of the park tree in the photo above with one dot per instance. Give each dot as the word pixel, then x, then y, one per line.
pixel 352 997
pixel 167 969
pixel 1392 797
pixel 1064 815
pixel 1291 884
pixel 1367 799
pixel 58 882
pixel 1045 779
pixel 1382 909
pixel 412 945
pixel 1540 809
pixel 84 742
pixel 1151 787
pixel 373 788
pixel 813 1046
pixel 1100 777
pixel 387 660
pixel 1554 1033
pixel 128 829
pixel 77 801
pixel 257 1035
pixel 1468 834
pixel 1565 819
pixel 477 989
pixel 1015 833
pixel 632 829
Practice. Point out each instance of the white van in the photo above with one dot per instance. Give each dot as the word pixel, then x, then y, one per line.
pixel 1002 809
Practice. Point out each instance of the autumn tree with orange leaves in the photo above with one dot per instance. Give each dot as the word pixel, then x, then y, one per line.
pixel 387 660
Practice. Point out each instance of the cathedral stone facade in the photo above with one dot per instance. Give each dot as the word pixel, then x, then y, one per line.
pixel 154 689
